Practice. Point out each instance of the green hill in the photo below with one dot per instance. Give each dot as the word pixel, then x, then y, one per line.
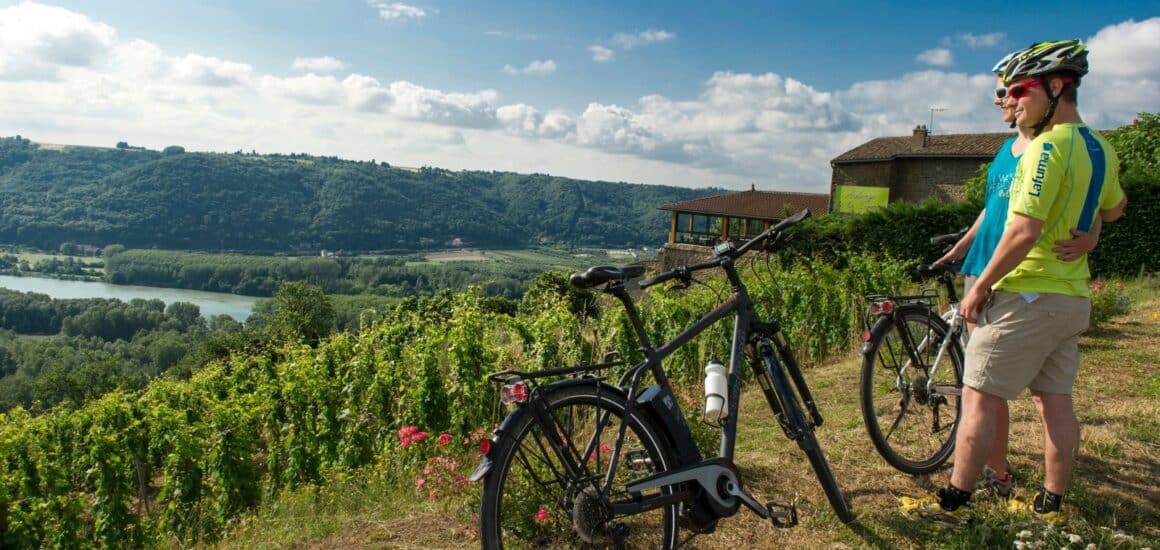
pixel 249 202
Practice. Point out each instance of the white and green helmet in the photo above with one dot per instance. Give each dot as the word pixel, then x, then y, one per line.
pixel 1043 58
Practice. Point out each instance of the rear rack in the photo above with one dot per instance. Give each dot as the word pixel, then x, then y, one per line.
pixel 928 297
pixel 611 359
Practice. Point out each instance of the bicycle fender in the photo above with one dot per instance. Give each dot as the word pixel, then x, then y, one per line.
pixel 519 412
pixel 882 324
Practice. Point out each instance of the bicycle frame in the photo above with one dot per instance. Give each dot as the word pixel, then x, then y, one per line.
pixel 745 324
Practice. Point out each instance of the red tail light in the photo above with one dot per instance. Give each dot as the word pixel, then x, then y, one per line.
pixel 882 307
pixel 865 336
pixel 485 446
pixel 516 392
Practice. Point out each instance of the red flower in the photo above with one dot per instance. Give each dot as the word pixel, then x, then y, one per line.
pixel 444 439
pixel 541 515
pixel 418 436
pixel 604 448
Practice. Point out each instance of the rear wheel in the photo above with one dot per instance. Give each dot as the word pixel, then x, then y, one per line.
pixel 530 501
pixel 912 427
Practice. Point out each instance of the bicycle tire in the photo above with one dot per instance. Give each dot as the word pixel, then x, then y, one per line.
pixel 808 442
pixel 562 511
pixel 917 444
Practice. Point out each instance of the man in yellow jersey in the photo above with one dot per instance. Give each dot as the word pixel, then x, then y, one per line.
pixel 1030 305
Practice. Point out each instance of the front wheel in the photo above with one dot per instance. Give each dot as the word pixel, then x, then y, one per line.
pixel 808 442
pixel 531 501
pixel 911 426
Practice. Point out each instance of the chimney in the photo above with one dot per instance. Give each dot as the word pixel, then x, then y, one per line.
pixel 918 140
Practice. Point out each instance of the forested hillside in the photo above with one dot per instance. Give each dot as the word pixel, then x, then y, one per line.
pixel 248 202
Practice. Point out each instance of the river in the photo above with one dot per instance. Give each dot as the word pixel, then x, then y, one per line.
pixel 211 303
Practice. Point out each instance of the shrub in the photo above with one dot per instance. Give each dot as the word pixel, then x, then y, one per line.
pixel 1108 300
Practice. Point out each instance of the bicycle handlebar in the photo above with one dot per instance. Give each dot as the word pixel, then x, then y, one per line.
pixel 949 237
pixel 769 240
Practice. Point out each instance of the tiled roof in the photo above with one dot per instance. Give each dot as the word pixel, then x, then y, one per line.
pixel 765 205
pixel 949 145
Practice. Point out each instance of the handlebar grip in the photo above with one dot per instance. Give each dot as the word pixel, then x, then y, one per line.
pixel 666 276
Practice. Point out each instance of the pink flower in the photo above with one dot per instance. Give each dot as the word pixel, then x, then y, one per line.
pixel 444 439
pixel 418 436
pixel 1096 285
pixel 541 515
pixel 604 448
pixel 420 482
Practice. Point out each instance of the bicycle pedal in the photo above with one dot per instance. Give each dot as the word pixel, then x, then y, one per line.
pixel 782 515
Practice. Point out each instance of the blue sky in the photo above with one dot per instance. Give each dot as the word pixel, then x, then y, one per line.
pixel 682 93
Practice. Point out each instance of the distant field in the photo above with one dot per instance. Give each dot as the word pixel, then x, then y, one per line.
pixel 457 256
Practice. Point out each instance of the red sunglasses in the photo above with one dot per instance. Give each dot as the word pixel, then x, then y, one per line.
pixel 1019 90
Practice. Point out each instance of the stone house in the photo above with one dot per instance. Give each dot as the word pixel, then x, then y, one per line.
pixel 909 168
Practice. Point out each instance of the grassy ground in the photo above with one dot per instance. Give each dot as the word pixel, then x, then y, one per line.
pixel 1113 501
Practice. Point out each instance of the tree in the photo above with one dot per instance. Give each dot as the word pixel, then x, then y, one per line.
pixel 173 150
pixel 122 145
pixel 302 312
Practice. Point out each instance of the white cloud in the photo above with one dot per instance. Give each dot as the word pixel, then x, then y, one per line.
pixel 326 64
pixel 939 57
pixel 629 41
pixel 600 54
pixel 736 128
pixel 1130 49
pixel 36 41
pixel 211 71
pixel 513 35
pixel 397 10
pixel 982 40
pixel 415 102
pixel 537 67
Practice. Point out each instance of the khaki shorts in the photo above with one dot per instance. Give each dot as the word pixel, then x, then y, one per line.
pixel 968 282
pixel 1033 345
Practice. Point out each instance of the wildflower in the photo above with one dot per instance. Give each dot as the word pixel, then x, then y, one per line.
pixel 1155 316
pixel 418 436
pixel 1075 539
pixel 444 439
pixel 541 515
pixel 420 482
pixel 1023 535
pixel 1096 285
pixel 604 448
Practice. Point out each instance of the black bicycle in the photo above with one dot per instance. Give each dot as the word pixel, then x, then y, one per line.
pixel 912 372
pixel 580 460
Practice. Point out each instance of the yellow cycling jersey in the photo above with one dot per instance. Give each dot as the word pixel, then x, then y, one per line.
pixel 1066 176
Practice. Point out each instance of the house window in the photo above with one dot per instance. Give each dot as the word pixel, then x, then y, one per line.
pixel 698 228
pixel 737 228
pixel 755 228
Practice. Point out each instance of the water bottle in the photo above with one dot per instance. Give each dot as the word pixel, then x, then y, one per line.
pixel 716 392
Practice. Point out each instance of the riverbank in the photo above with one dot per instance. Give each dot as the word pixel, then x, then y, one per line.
pixel 210 303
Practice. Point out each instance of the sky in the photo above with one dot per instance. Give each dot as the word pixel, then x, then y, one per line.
pixel 688 93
